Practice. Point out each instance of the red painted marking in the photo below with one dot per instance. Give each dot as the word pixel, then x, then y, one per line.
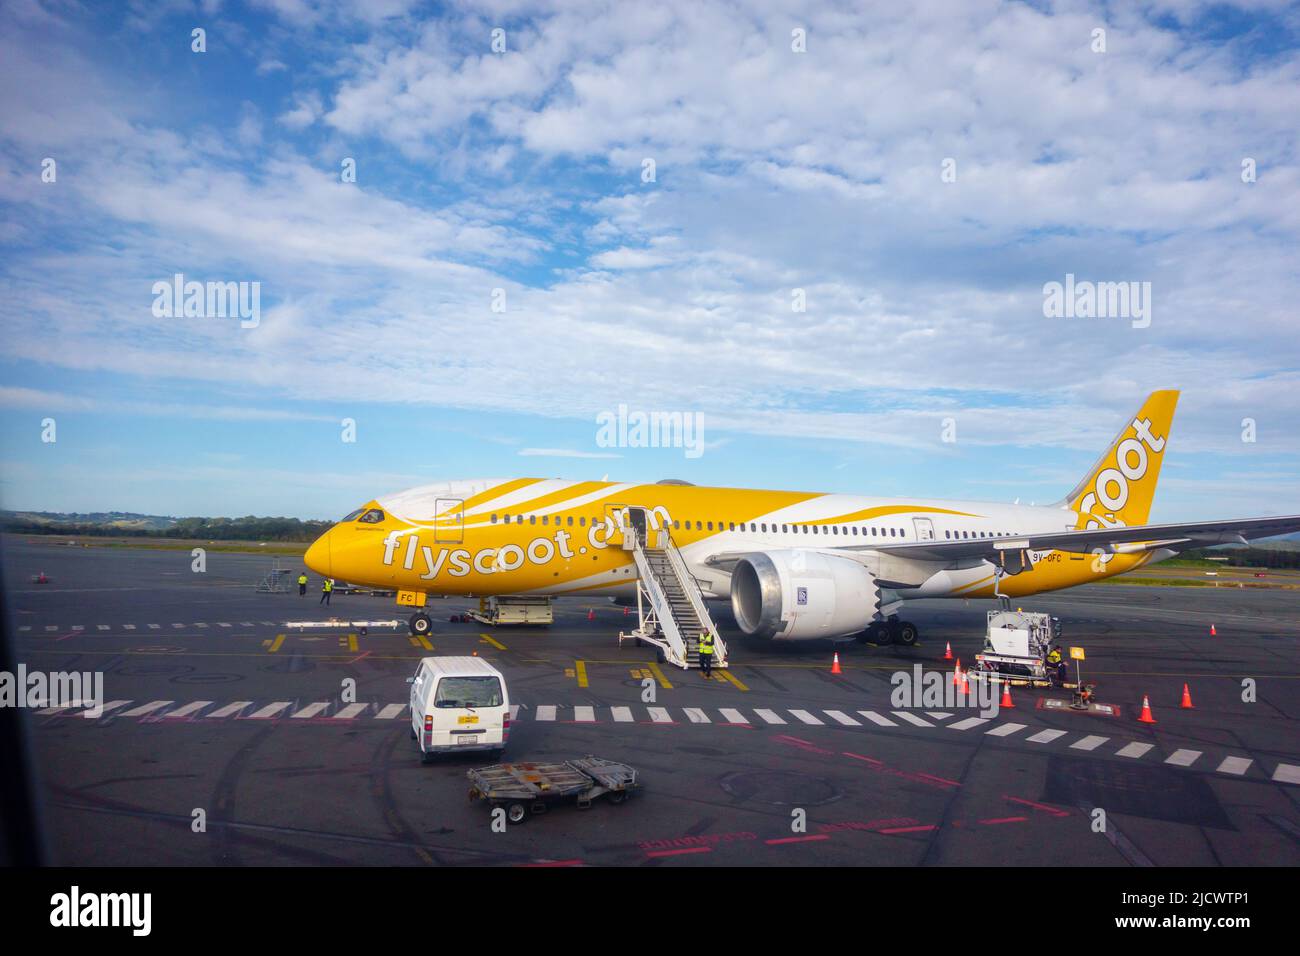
pixel 1037 806
pixel 691 849
pixel 997 820
pixel 879 763
pixel 360 657
pixel 910 829
pixel 944 780
pixel 547 863
pixel 798 839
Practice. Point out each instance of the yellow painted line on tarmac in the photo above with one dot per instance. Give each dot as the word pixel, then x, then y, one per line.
pixel 275 645
pixel 423 642
pixel 732 679
pixel 580 670
pixel 659 675
pixel 493 641
pixel 352 643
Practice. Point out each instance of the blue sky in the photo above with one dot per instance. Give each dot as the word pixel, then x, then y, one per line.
pixel 522 171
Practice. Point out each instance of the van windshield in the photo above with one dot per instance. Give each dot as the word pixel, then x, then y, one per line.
pixel 468 692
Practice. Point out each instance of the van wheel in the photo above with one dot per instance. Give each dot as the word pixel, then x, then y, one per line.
pixel 421 624
pixel 496 754
pixel 414 735
pixel 516 813
pixel 426 758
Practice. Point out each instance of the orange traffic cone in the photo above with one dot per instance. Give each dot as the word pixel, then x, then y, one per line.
pixel 591 614
pixel 1006 696
pixel 947 652
pixel 835 664
pixel 1213 632
pixel 956 674
pixel 627 611
pixel 964 687
pixel 1187 698
pixel 1145 717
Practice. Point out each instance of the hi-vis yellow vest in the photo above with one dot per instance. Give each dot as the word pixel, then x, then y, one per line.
pixel 302 579
pixel 706 643
pixel 328 585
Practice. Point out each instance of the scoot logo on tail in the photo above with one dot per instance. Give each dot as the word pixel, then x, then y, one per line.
pixel 1110 489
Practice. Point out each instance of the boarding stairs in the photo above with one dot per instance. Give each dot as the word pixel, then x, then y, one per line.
pixel 671 610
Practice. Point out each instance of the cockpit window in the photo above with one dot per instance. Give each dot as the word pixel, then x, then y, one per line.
pixel 373 516
pixel 352 515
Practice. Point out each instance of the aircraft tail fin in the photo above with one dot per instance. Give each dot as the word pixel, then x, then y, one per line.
pixel 1119 488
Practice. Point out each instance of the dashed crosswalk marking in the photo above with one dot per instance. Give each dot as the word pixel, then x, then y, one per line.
pixel 78 627
pixel 584 714
pixel 546 712
pixel 696 715
pixel 148 708
pixel 1285 773
pixel 390 711
pixel 733 716
pixel 807 718
pixel 1045 736
pixel 1183 758
pixel 660 715
pixel 769 715
pixel 1090 742
pixel 622 715
pixel 912 719
pixel 843 718
pixel 1134 750
pixel 101 627
pixel 113 705
pixel 154 627
pixel 1234 765
pixel 350 711
pixel 271 710
pixel 50 628
pixel 938 715
pixel 1004 730
pixel 178 625
pixel 877 719
pixel 968 723
pixel 311 710
pixel 514 711
pixel 186 710
pixel 231 710
pixel 201 624
pixel 128 627
pixel 224 624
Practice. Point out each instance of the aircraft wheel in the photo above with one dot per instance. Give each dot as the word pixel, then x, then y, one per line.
pixel 421 624
pixel 881 633
pixel 906 633
pixel 516 813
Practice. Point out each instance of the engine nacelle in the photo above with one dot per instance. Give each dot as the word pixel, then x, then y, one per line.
pixel 800 595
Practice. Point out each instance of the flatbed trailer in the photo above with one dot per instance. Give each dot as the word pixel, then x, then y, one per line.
pixel 523 788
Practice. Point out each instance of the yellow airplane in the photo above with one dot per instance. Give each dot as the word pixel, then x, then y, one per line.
pixel 793 565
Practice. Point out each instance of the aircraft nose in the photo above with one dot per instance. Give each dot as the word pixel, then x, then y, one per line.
pixel 318 555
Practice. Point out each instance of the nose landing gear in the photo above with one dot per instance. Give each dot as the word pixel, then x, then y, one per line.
pixel 420 624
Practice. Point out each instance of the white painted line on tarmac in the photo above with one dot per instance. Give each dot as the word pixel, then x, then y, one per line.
pixel 271 710
pixel 842 717
pixel 622 715
pixel 1046 736
pixel 584 714
pixel 660 715
pixel 968 723
pixel 912 719
pixel 769 716
pixel 1091 742
pixel 1133 750
pixel 732 715
pixel 231 709
pixel 186 710
pixel 696 715
pixel 389 711
pixel 1285 773
pixel 807 718
pixel 143 709
pixel 350 711
pixel 1183 758
pixel 1005 730
pixel 546 712
pixel 1235 765
pixel 311 710
pixel 876 718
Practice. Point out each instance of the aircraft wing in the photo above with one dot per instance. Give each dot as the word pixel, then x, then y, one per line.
pixel 1118 540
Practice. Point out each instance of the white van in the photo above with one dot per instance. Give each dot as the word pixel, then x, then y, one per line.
pixel 459 703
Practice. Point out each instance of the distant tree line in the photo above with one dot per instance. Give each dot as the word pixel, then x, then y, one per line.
pixel 1247 557
pixel 249 528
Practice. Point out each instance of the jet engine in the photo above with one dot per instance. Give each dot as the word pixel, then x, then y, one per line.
pixel 801 595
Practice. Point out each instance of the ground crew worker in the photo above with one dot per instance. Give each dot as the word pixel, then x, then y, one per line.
pixel 1055 660
pixel 302 584
pixel 706 653
pixel 326 587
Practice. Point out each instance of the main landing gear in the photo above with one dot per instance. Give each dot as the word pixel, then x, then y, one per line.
pixel 891 631
pixel 421 624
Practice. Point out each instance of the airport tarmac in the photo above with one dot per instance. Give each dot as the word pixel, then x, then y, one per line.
pixel 215 705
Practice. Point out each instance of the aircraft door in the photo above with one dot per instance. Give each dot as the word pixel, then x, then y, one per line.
pixel 924 529
pixel 449 521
